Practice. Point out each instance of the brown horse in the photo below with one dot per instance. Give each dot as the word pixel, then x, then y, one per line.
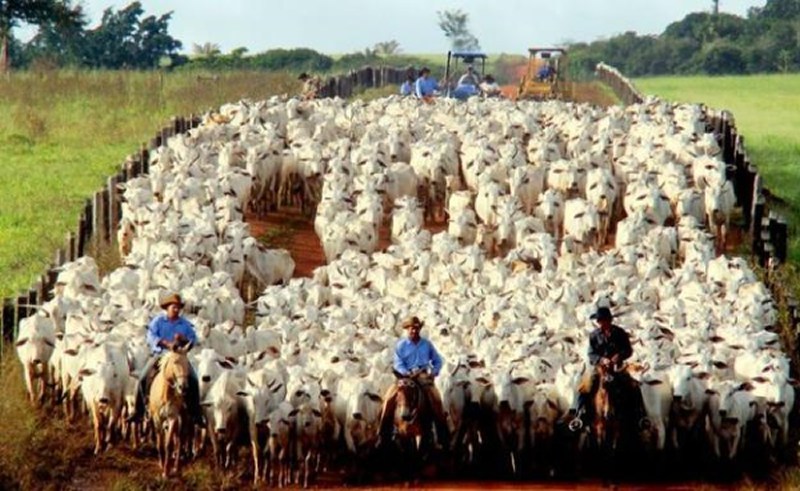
pixel 618 409
pixel 168 407
pixel 412 419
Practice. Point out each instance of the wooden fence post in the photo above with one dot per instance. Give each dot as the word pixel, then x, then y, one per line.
pixel 33 298
pixel 112 206
pixel 21 309
pixel 71 250
pixel 144 155
pixel 8 318
pixel 80 238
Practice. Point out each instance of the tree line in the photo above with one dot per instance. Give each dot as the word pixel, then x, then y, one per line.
pixel 766 40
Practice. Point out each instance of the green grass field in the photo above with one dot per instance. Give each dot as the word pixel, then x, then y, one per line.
pixel 767 112
pixel 57 150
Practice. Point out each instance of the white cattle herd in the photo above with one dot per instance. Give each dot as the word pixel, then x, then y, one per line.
pixel 553 209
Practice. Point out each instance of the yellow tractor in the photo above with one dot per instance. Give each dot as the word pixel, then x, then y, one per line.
pixel 546 77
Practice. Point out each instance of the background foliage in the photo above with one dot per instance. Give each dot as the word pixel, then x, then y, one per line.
pixel 767 40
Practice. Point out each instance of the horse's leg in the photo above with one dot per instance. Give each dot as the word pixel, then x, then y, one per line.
pixel 167 448
pixel 98 428
pixel 160 446
pixel 256 457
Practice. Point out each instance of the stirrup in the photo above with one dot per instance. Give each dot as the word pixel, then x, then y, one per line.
pixel 575 425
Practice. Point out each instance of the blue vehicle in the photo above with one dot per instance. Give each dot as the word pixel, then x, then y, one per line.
pixel 466 60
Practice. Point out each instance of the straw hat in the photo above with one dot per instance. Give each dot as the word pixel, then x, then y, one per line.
pixel 170 299
pixel 413 321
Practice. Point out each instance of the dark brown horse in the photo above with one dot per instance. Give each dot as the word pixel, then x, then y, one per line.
pixel 618 410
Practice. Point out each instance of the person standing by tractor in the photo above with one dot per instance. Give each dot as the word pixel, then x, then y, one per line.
pixel 426 86
pixel 311 86
pixel 489 87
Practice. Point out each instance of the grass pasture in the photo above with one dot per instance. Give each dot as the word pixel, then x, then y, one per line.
pixel 62 133
pixel 767 112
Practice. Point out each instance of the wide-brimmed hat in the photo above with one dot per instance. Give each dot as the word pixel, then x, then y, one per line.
pixel 170 299
pixel 413 321
pixel 603 313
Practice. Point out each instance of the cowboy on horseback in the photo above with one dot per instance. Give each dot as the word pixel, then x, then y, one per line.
pixel 416 359
pixel 609 346
pixel 168 332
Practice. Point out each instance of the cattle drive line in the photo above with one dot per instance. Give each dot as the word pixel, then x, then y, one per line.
pixel 348 277
pixel 97 224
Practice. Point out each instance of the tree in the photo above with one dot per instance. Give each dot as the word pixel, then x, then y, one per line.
pixel 124 41
pixel 454 25
pixel 60 12
pixel 206 49
pixel 724 58
pixel 387 48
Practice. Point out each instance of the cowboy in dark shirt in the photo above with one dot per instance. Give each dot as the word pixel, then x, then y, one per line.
pixel 609 346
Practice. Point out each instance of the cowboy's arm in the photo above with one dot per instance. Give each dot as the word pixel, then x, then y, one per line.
pixel 191 335
pixel 436 361
pixel 625 348
pixel 399 364
pixel 153 337
pixel 594 350
pixel 418 87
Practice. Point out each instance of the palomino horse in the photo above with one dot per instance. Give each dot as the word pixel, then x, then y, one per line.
pixel 618 409
pixel 412 418
pixel 169 408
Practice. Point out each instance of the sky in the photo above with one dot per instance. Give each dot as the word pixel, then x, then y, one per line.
pixel 346 26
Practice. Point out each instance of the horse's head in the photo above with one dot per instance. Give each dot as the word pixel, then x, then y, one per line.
pixel 176 370
pixel 409 399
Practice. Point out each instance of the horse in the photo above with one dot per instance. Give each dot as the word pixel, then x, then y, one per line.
pixel 169 408
pixel 618 411
pixel 413 418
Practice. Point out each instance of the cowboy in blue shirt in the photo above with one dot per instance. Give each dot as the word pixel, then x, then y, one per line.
pixel 166 332
pixel 415 357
